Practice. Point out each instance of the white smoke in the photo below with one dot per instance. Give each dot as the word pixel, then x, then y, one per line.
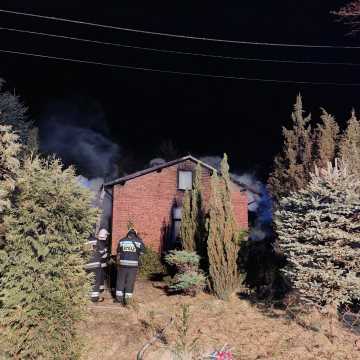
pixel 254 196
pixel 259 201
pixel 100 199
pixel 76 132
pixel 93 184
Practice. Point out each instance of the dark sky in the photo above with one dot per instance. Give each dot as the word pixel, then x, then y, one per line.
pixel 202 116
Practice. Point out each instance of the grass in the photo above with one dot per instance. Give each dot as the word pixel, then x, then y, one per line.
pixel 253 333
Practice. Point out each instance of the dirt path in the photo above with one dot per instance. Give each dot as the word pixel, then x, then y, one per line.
pixel 116 333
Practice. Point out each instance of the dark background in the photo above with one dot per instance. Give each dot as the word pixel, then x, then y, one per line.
pixel 202 116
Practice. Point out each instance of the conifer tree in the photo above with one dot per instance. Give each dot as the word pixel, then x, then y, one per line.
pixel 187 229
pixel 223 236
pixel 192 231
pixel 349 147
pixel 9 166
pixel 14 113
pixel 326 140
pixel 33 141
pixel 44 288
pixel 293 165
pixel 318 230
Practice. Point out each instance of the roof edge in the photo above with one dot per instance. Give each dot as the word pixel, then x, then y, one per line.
pixel 171 163
pixel 158 167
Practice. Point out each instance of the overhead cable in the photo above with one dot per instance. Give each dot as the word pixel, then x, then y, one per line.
pixel 176 52
pixel 172 72
pixel 171 35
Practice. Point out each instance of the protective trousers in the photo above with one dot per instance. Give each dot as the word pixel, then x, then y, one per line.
pixel 98 283
pixel 103 263
pixel 96 266
pixel 125 282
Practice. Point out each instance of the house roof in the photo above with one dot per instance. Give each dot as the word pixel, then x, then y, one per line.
pixel 170 163
pixel 156 168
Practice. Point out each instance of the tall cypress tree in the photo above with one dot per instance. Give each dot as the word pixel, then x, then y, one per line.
pixel 187 229
pixel 192 231
pixel 44 288
pixel 223 236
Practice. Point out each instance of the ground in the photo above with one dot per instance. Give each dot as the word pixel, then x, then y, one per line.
pixel 251 331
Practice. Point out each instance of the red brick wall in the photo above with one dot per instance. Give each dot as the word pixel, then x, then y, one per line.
pixel 239 201
pixel 147 201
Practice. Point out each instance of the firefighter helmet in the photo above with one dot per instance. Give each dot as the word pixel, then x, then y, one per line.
pixel 103 234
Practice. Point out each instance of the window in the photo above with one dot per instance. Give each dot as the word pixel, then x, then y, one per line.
pixel 176 227
pixel 185 180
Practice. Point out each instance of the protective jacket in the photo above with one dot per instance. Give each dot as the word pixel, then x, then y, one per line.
pixel 97 265
pixel 129 250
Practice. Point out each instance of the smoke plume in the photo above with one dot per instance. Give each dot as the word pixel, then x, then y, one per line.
pixel 77 133
pixel 259 201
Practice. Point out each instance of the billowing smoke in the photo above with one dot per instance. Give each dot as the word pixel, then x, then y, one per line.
pixel 259 203
pixel 259 200
pixel 77 133
pixel 93 184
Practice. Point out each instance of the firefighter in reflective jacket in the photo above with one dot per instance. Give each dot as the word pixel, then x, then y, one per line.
pixel 104 255
pixel 128 252
pixel 97 264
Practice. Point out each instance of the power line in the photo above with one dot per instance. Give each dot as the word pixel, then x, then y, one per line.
pixel 176 52
pixel 171 72
pixel 179 36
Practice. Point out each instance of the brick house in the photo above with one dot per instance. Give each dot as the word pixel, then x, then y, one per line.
pixel 151 199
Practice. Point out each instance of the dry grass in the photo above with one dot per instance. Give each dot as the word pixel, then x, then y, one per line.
pixel 113 332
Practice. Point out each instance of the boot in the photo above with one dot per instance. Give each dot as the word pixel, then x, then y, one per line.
pixel 119 300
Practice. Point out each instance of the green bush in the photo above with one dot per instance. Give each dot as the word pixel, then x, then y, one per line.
pixel 43 284
pixel 150 264
pixel 183 260
pixel 189 279
pixel 190 283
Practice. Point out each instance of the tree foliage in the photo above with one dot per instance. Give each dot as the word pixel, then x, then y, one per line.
pixel 293 165
pixel 318 230
pixel 304 147
pixel 350 14
pixel 44 288
pixel 14 113
pixel 349 147
pixel 192 231
pixel 223 236
pixel 150 264
pixel 9 166
pixel 188 279
pixel 326 137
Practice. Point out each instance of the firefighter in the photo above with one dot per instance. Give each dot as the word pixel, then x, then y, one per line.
pixel 129 250
pixel 97 264
pixel 102 246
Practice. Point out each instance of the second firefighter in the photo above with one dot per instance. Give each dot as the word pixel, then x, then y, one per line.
pixel 128 253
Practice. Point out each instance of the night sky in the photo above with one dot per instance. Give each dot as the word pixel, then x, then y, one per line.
pixel 202 116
